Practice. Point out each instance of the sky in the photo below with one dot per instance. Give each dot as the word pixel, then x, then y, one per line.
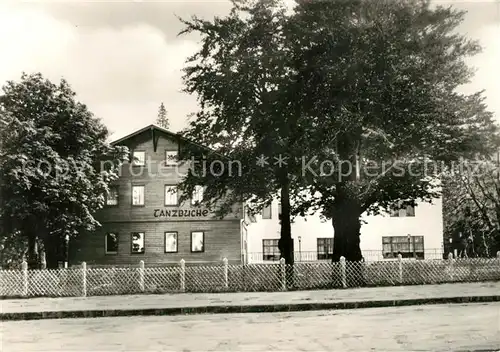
pixel 123 58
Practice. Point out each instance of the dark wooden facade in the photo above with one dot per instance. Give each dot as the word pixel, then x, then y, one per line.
pixel 222 238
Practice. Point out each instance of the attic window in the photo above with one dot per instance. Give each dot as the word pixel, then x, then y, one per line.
pixel 400 211
pixel 139 158
pixel 171 157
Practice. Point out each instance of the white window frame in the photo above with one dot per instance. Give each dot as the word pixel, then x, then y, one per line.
pixel 143 237
pixel 143 195
pixel 176 236
pixel 270 212
pixel 404 212
pixel 169 195
pixel 117 196
pixel 193 249
pixel 326 243
pixel 168 157
pixel 137 161
pixel 197 195
pixel 407 244
pixel 272 253
pixel 106 251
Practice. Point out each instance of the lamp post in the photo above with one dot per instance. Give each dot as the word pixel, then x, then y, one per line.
pixel 409 245
pixel 66 251
pixel 300 249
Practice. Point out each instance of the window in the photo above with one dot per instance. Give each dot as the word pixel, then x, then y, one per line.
pixel 138 195
pixel 171 157
pixel 197 195
pixel 270 250
pixel 279 211
pixel 112 196
pixel 197 241
pixel 249 215
pixel 111 243
pixel 170 242
pixel 139 158
pixel 408 246
pixel 137 242
pixel 171 195
pixel 325 248
pixel 409 211
pixel 266 212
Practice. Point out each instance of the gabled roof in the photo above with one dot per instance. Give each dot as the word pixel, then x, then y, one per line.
pixel 154 128
pixel 148 128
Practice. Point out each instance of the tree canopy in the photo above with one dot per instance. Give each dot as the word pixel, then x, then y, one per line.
pixel 51 182
pixel 241 77
pixel 361 98
pixel 471 205
pixel 383 76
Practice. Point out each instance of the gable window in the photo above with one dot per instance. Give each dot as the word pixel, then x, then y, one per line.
pixel 137 239
pixel 171 157
pixel 197 241
pixel 111 243
pixel 408 246
pixel 170 242
pixel 408 211
pixel 139 158
pixel 171 195
pixel 138 195
pixel 112 196
pixel 325 248
pixel 197 195
pixel 266 212
pixel 270 250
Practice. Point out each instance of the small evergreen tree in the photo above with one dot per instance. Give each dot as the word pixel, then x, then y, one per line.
pixel 162 119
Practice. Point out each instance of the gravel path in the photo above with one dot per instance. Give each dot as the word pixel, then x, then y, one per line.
pixel 249 298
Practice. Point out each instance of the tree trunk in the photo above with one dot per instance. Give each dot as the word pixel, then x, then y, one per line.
pixel 52 259
pixel 32 255
pixel 52 252
pixel 346 215
pixel 285 242
pixel 346 209
pixel 346 226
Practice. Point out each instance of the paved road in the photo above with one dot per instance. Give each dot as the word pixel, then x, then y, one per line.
pixel 250 298
pixel 469 327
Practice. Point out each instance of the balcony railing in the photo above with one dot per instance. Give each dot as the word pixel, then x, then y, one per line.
pixel 314 256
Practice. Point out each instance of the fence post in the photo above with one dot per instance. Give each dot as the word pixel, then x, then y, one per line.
pixel 400 263
pixel 24 268
pixel 450 259
pixel 84 279
pixel 343 272
pixel 226 270
pixel 283 274
pixel 141 275
pixel 183 275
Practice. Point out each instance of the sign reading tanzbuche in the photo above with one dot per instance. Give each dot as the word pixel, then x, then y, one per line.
pixel 180 213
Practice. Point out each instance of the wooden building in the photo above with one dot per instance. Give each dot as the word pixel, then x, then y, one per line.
pixel 143 220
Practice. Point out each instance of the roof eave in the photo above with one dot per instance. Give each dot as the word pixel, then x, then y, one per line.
pixel 142 130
